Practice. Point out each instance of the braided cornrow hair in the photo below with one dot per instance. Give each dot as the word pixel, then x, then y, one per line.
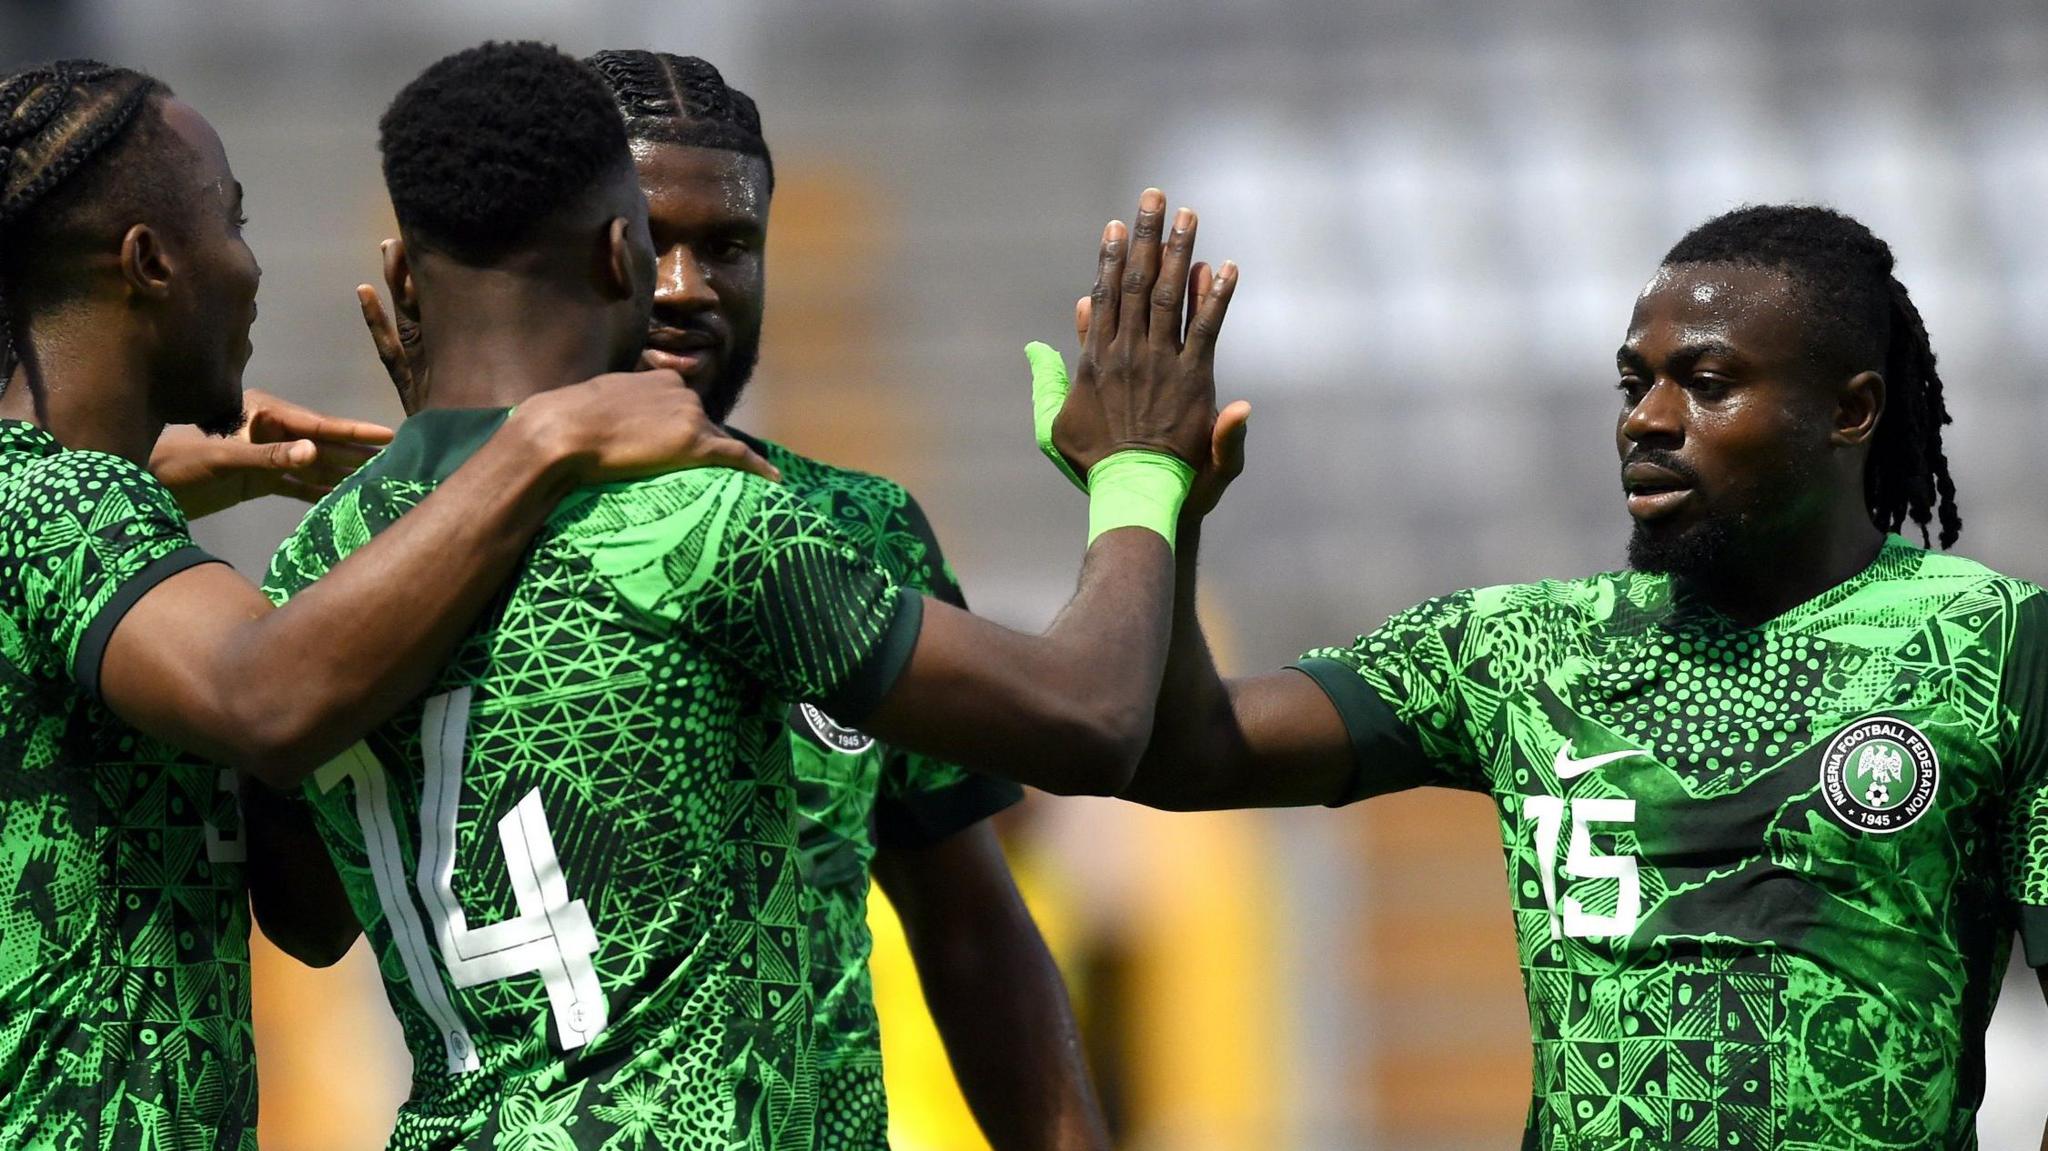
pixel 1861 315
pixel 54 119
pixel 671 99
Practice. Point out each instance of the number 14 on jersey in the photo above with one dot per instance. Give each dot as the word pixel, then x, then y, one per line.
pixel 551 936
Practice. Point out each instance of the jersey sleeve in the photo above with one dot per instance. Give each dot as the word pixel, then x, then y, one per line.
pixel 2024 692
pixel 86 536
pixel 761 578
pixel 1397 690
pixel 925 801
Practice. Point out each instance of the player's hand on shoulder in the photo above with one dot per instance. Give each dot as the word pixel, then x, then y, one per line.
pixel 282 449
pixel 625 425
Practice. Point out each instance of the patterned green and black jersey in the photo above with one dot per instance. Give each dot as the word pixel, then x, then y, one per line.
pixel 124 932
pixel 857 795
pixel 1764 879
pixel 576 856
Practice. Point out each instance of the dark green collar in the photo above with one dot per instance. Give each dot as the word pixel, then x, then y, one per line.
pixel 432 444
pixel 22 436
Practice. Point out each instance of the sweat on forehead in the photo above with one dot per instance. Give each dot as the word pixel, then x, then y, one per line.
pixel 1770 301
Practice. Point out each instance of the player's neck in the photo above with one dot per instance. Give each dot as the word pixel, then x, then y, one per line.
pixel 1787 572
pixel 89 394
pixel 497 344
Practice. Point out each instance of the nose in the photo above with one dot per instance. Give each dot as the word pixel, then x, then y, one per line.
pixel 1658 419
pixel 680 282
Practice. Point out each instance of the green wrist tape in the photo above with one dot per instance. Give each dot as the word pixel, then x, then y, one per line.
pixel 1137 489
pixel 1049 388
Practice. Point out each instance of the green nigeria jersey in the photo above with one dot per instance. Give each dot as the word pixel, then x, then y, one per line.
pixel 1764 879
pixel 124 932
pixel 575 856
pixel 855 795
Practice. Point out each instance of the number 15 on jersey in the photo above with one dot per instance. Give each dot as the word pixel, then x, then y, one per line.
pixel 1569 917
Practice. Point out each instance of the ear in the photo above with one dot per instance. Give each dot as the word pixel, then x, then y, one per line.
pixel 398 279
pixel 1857 409
pixel 146 265
pixel 621 282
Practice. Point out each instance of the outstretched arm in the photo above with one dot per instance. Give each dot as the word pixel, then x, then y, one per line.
pixel 203 661
pixel 1265 741
pixel 1069 710
pixel 281 449
pixel 999 1002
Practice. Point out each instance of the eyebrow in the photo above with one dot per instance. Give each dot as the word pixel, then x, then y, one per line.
pixel 1627 356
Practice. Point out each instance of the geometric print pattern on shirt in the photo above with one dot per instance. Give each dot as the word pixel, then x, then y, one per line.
pixel 124 933
pixel 576 855
pixel 856 794
pixel 1764 878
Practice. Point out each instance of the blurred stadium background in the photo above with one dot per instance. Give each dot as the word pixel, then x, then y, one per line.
pixel 1443 209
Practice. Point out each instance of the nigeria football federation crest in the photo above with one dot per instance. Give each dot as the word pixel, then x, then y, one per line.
pixel 1879 774
pixel 833 734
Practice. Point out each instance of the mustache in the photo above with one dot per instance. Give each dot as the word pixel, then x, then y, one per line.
pixel 1662 459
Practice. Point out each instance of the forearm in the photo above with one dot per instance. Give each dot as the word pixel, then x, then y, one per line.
pixel 374 631
pixel 1068 710
pixel 204 662
pixel 999 1002
pixel 1194 739
pixel 1260 741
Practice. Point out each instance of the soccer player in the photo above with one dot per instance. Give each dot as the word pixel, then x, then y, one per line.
pixel 921 825
pixel 1774 800
pixel 126 298
pixel 577 856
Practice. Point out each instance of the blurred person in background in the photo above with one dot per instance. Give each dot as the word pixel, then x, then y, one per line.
pixel 922 826
pixel 126 300
pixel 640 973
pixel 1773 801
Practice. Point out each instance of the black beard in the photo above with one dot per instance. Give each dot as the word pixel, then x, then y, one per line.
pixel 225 424
pixel 739 368
pixel 1696 554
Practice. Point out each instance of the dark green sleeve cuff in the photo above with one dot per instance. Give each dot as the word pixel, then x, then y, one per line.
pixel 2034 934
pixel 1386 755
pixel 928 818
pixel 92 646
pixel 862 692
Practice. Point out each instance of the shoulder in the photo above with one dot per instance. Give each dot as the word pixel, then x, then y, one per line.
pixel 1921 583
pixel 95 484
pixel 833 488
pixel 689 501
pixel 341 521
pixel 877 514
pixel 1551 604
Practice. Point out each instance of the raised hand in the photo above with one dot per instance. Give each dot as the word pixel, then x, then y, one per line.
pixel 282 449
pixel 630 424
pixel 1071 420
pixel 1153 381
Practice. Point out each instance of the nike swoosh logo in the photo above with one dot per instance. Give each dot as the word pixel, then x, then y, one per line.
pixel 1570 768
